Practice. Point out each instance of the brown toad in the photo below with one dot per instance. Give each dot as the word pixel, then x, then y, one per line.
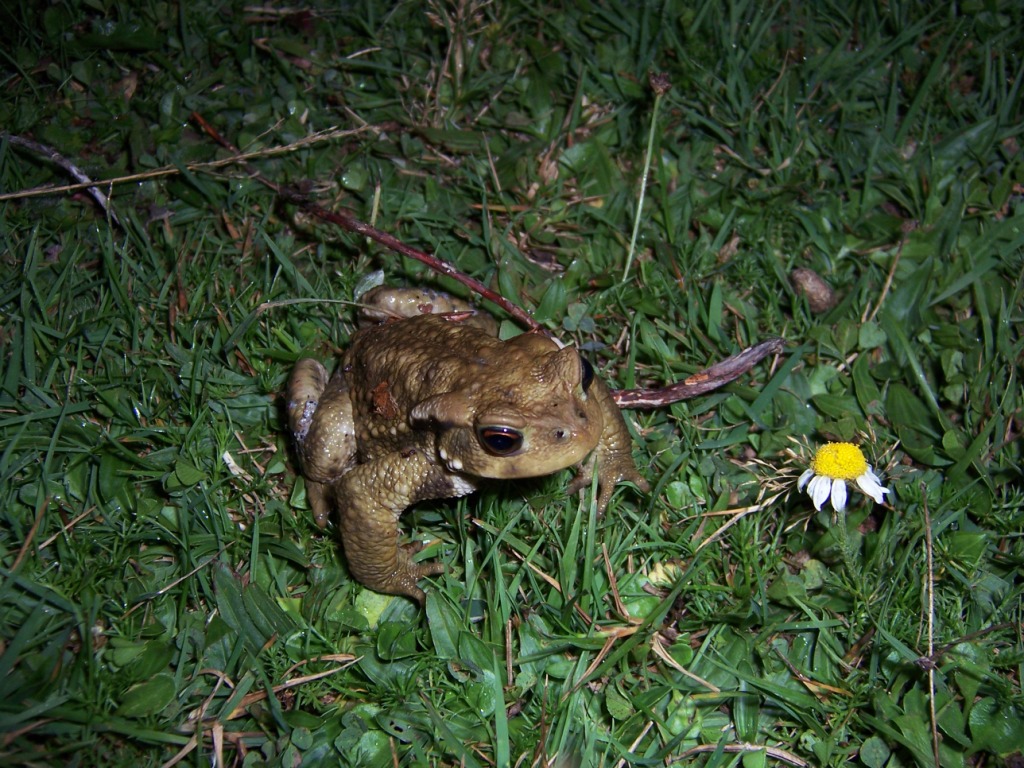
pixel 431 406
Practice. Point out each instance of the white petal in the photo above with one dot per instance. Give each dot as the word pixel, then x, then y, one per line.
pixel 818 490
pixel 804 478
pixel 872 486
pixel 838 495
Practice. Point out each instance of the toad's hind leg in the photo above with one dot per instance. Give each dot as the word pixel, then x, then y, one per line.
pixel 320 420
pixel 305 387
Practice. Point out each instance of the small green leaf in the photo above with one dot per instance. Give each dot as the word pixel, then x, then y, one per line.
pixel 966 548
pixel 678 495
pixel 249 610
pixel 147 698
pixel 353 178
pixel 123 652
pixel 444 624
pixel 952 443
pixel 871 336
pixel 996 727
pixel 480 696
pixel 372 749
pixel 787 589
pixel 836 406
pixel 618 706
pixel 874 752
pixel 476 651
pixel 395 641
pixel 746 710
pixel 913 424
pixel 185 475
pixel 156 656
pixel 814 574
pixel 552 303
pixel 682 652
pixel 370 605
pixel 302 738
pixel 865 388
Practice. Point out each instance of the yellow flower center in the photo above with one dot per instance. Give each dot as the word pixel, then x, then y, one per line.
pixel 840 461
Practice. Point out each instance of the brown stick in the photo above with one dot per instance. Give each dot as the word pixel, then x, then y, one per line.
pixel 67 166
pixel 707 380
pixel 352 224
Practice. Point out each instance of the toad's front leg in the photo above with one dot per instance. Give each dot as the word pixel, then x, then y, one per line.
pixel 370 499
pixel 613 456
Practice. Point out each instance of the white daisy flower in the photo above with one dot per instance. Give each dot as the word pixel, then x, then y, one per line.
pixel 833 466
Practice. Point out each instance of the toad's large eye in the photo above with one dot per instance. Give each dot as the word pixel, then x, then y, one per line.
pixel 500 441
pixel 587 374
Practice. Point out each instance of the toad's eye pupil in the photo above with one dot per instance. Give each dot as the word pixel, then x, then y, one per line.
pixel 500 441
pixel 587 374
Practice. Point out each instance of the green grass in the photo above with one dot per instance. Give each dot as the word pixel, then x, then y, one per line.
pixel 163 589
